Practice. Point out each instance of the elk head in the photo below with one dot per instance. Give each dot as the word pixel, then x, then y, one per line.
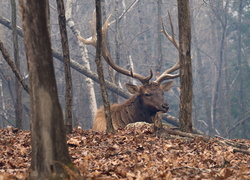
pixel 151 96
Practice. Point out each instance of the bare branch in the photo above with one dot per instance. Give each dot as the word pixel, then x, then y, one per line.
pixel 12 64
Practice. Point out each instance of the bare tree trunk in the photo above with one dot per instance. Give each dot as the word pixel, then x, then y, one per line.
pixel 109 125
pixel 158 117
pixel 48 139
pixel 130 59
pixel 116 76
pixel 113 76
pixel 18 88
pixel 185 66
pixel 240 64
pixel 159 43
pixel 219 80
pixel 214 42
pixel 228 110
pixel 66 59
pixel 3 114
pixel 84 52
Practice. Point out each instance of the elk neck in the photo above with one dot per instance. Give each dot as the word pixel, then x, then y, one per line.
pixel 135 110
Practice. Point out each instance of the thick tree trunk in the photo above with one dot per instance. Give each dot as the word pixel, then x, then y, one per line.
pixel 48 139
pixel 185 65
pixel 66 61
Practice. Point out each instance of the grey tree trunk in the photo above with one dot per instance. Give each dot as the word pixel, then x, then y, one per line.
pixel 66 62
pixel 18 88
pixel 115 77
pixel 219 80
pixel 240 64
pixel 159 42
pixel 109 125
pixel 48 138
pixel 3 114
pixel 185 66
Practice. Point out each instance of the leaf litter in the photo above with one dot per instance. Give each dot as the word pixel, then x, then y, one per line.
pixel 133 153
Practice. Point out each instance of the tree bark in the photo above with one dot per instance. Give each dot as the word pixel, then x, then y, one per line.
pixel 109 125
pixel 18 88
pixel 185 66
pixel 48 139
pixel 66 59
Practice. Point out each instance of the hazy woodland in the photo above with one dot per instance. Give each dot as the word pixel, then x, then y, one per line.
pixel 220 60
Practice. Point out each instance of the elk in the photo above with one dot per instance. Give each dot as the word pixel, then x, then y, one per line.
pixel 146 100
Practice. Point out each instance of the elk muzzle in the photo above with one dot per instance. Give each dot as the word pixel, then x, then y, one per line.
pixel 165 107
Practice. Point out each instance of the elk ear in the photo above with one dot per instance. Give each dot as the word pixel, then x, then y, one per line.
pixel 133 89
pixel 166 86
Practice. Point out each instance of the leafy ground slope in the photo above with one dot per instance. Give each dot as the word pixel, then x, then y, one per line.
pixel 135 153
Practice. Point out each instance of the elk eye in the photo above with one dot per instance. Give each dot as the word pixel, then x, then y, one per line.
pixel 147 94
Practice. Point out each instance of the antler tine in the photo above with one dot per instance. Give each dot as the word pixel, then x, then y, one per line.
pixel 147 79
pixel 105 27
pixel 167 74
pixel 91 40
pixel 171 39
pixel 92 25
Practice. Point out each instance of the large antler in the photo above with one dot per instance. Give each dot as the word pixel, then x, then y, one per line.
pixel 167 74
pixel 106 55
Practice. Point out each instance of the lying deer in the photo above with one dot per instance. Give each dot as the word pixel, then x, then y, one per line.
pixel 146 100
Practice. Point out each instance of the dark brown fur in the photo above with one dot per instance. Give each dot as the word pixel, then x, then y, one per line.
pixel 140 107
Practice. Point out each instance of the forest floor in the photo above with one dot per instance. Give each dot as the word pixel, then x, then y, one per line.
pixel 135 153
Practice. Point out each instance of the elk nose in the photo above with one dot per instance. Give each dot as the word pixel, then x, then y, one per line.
pixel 165 106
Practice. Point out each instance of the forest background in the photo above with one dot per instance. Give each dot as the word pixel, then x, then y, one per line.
pixel 220 48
